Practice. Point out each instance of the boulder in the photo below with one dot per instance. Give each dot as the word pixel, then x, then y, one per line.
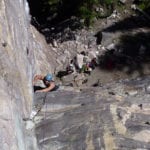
pixel 79 60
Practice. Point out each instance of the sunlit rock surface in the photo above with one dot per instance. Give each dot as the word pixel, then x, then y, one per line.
pixel 108 117
pixel 20 45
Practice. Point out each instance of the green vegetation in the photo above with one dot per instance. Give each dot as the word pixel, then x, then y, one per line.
pixel 84 9
pixel 144 5
pixel 108 2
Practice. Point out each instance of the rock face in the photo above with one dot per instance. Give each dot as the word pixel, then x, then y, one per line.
pixel 96 118
pixel 114 116
pixel 19 50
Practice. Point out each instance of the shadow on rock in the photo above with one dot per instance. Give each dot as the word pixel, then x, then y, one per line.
pixel 130 23
pixel 61 74
pixel 35 88
pixel 132 52
pixel 62 31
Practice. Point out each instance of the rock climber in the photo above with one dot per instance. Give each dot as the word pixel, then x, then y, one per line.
pixel 48 82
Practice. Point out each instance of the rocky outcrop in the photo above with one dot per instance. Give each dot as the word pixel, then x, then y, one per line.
pixel 20 48
pixel 114 116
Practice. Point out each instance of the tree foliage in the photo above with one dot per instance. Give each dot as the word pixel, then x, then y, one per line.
pixel 84 9
pixel 145 5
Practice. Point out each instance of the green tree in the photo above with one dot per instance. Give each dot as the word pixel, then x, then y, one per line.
pixel 63 9
pixel 145 5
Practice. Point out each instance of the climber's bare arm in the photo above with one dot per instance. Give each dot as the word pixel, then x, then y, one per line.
pixel 37 77
pixel 52 85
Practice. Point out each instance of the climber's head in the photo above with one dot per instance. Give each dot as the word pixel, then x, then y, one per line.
pixel 48 77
